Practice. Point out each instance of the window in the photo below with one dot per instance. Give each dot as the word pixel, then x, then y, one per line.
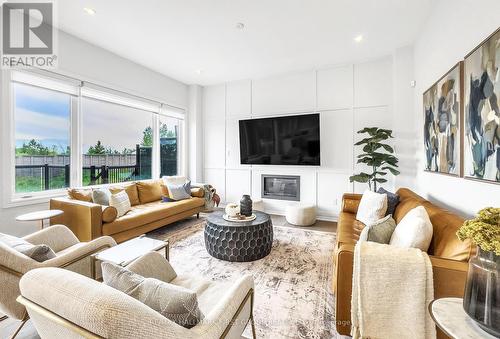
pixel 169 145
pixel 42 138
pixel 67 133
pixel 117 142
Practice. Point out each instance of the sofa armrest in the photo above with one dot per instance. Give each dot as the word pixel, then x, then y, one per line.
pixel 57 237
pixel 343 290
pixel 449 277
pixel 197 192
pixel 84 219
pixel 350 202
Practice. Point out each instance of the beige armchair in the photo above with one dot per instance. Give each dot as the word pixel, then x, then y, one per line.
pixel 78 307
pixel 70 254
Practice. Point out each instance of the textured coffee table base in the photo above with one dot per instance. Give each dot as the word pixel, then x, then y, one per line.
pixel 230 242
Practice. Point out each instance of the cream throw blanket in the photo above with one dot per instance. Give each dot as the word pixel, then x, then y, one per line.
pixel 391 290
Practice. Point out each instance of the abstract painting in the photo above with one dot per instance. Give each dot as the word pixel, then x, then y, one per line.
pixel 442 124
pixel 482 114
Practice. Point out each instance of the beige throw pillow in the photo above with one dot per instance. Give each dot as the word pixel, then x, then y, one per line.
pixel 121 202
pixel 39 253
pixel 414 230
pixel 372 207
pixel 173 302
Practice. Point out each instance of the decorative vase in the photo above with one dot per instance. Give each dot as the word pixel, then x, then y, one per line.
pixel 482 291
pixel 232 209
pixel 246 205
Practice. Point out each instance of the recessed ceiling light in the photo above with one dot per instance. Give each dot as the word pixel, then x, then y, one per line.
pixel 358 38
pixel 199 71
pixel 89 11
pixel 240 26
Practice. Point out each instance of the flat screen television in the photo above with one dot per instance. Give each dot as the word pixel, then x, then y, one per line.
pixel 290 140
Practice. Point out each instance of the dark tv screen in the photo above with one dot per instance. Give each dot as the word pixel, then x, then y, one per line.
pixel 291 140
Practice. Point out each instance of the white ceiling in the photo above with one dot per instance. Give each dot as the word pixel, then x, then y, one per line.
pixel 178 38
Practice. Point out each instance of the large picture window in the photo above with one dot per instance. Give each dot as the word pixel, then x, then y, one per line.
pixel 42 138
pixel 117 142
pixel 67 133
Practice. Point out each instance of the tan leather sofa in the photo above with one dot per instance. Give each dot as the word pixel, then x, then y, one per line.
pixel 89 220
pixel 449 255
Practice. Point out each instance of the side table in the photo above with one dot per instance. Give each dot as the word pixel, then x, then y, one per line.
pixel 450 317
pixel 39 216
pixel 126 252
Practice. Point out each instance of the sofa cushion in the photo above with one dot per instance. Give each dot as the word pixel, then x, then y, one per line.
pixel 149 191
pixel 380 231
pixel 180 192
pixel 101 196
pixel 121 202
pixel 372 207
pixel 147 213
pixel 38 253
pixel 197 192
pixel 414 230
pixel 174 302
pixel 82 194
pixel 109 213
pixel 392 200
pixel 130 189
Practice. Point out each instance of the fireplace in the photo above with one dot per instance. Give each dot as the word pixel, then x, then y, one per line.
pixel 281 187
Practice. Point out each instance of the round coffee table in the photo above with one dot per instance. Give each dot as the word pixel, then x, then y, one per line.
pixel 238 241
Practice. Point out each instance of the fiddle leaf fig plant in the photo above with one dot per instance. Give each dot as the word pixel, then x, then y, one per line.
pixel 377 155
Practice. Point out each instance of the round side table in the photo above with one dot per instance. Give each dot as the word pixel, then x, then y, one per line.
pixel 450 317
pixel 39 216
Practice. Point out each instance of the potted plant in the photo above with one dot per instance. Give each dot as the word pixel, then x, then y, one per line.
pixel 376 155
pixel 482 290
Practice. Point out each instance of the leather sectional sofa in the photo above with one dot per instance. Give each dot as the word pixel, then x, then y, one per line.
pixel 89 220
pixel 449 256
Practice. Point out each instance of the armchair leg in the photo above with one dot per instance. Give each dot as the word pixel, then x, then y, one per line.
pixel 254 335
pixel 197 215
pixel 25 319
pixel 2 318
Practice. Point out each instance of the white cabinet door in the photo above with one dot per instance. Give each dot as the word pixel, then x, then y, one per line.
pixel 216 178
pixel 335 89
pixel 331 187
pixel 237 184
pixel 284 94
pixel 214 102
pixel 336 139
pixel 214 144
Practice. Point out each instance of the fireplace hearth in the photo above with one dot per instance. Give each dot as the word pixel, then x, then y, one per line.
pixel 281 187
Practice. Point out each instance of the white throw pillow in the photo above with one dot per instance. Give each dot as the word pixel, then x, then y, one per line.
pixel 372 207
pixel 174 180
pixel 121 202
pixel 414 230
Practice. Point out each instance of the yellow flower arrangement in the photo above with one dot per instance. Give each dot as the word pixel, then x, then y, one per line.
pixel 484 231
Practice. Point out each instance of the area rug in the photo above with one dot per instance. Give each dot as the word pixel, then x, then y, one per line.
pixel 292 284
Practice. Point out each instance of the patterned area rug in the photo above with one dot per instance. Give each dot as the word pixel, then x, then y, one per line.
pixel 292 284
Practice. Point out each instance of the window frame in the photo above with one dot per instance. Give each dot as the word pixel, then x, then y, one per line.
pixel 78 89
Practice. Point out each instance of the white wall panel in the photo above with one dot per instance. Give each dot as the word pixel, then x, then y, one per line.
pixel 331 187
pixel 233 144
pixel 237 184
pixel 335 88
pixel 238 95
pixel 214 102
pixel 213 144
pixel 217 178
pixel 373 83
pixel 336 139
pixel 285 94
